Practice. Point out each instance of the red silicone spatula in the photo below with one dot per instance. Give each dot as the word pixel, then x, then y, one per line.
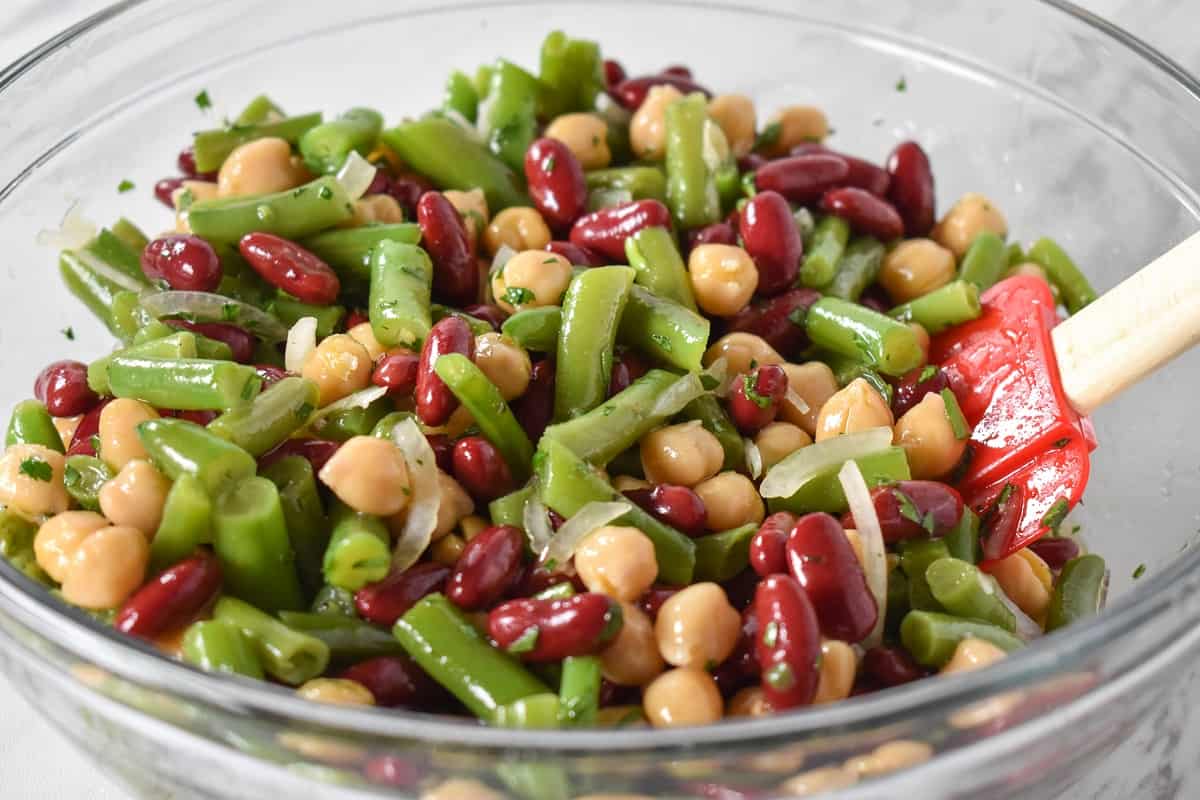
pixel 1027 383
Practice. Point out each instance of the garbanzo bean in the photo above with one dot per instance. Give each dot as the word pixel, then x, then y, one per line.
pixel 839 665
pixel 779 440
pixel 697 627
pixel 1017 578
pixel 455 505
pixel 731 501
pixel 916 267
pixel 740 350
pixel 684 454
pixel 447 549
pixel 340 366
pixel 970 216
pixel 520 228
pixel 370 475
pixel 66 428
pixel 31 480
pixel 625 483
pixel 648 126
pixel 748 702
pixel 135 497
pixel 119 443
pixel 364 334
pixel 683 696
pixel 858 407
pixel 585 135
pixel 336 691
pixel 617 561
pixel 461 789
pixel 531 278
pixel 735 114
pixel 106 568
pixel 60 536
pixel 260 167
pixel 632 658
pixel 813 383
pixel 890 757
pixel 473 208
pixel 928 439
pixel 472 525
pixel 819 781
pixel 188 193
pixel 972 654
pixel 381 208
pixel 723 278
pixel 797 124
pixel 504 362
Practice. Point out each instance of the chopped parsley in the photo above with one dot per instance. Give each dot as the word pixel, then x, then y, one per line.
pixel 927 373
pixel 71 477
pixel 958 423
pixel 37 468
pixel 325 193
pixel 1055 514
pixel 902 84
pixel 186 198
pixel 304 412
pixel 1063 442
pixel 768 136
pixel 518 295
pixel 748 388
pixel 780 676
pixel 1139 572
pixel 797 316
pixel 68 332
pixel 551 260
pixel 203 101
pixel 908 509
pixel 229 312
pixel 125 186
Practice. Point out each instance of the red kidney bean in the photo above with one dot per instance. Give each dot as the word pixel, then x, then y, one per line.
pixel 823 562
pixel 755 398
pixel 172 597
pixel 315 451
pixel 388 770
pixel 614 73
pixel 802 179
pixel 444 237
pixel 769 235
pixel 911 190
pixel 751 162
pixel 654 598
pixel 677 506
pixel 396 681
pixel 82 441
pixel 240 340
pixel 182 261
pixel 741 668
pixel 435 401
pixel 779 321
pixel 63 389
pixel 1000 519
pixel 196 417
pixel 396 372
pixel 535 408
pixel 492 315
pixel 187 165
pixel 355 318
pixel 740 589
pixel 576 254
pixel 288 266
pixel 863 174
pixel 876 299
pixel 550 630
pixel 1056 551
pixel 906 507
pixel 631 92
pixel 768 548
pixel 386 601
pixel 443 451
pixel 788 643
pixel 556 182
pixel 891 666
pixel 716 233
pixel 270 374
pixel 535 578
pixel 607 229
pixel 865 212
pixel 165 189
pixel 488 566
pixel 480 468
pixel 913 386
pixel 627 368
pixel 379 184
pixel 408 188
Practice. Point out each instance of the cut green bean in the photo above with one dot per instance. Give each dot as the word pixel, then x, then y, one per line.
pixel 307 528
pixel 16 545
pixel 510 509
pixel 344 425
pixel 359 551
pixel 178 447
pixel 966 592
pixel 270 418
pixel 212 147
pixel 722 556
pixel 1076 291
pixel 333 601
pixel 325 147
pixel 829 239
pixel 508 120
pixel 492 414
pixel 387 424
pixel 915 557
pixel 250 538
pixel 691 187
pixel 655 258
pixel 186 523
pixel 579 690
pixel 348 638
pixel 83 477
pixel 286 654
pixel 572 72
pixel 31 423
pixel 180 344
pixel 856 269
pixel 823 491
pixel 663 330
pixel 642 183
pixel 128 316
pixel 1079 593
pixel 184 383
pixel 535 328
pixel 401 284
pixel 291 214
pixel 535 711
pixel 953 304
pixel 931 638
pixel 962 541
pixel 348 251
pixel 460 96
pixel 97 272
pixel 130 234
pixel 290 311
pixel 985 260
pixel 857 332
pixel 591 309
pixel 897 600
pixel 259 109
pixel 218 646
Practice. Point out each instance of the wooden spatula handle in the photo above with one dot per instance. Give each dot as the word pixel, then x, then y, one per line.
pixel 1148 319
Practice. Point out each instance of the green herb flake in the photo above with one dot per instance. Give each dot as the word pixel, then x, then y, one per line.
pixel 37 468
pixel 902 84
pixel 770 635
pixel 551 260
pixel 1055 514
pixel 518 295
pixel 797 316
pixel 958 423
pixel 929 523
pixel 927 373
pixel 68 332
pixel 71 477
pixel 780 676
pixel 325 193
pixel 251 388
pixel 185 200
pixel 203 101
pixel 229 312
pixel 1139 572
pixel 95 442
pixel 304 412
pixel 908 509
pixel 748 384
pixel 551 565
pixel 125 186
pixel 768 136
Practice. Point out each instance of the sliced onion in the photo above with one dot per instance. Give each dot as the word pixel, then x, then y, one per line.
pixel 714 145
pixel 796 400
pixel 858 497
pixel 75 231
pixel 500 259
pixel 426 499
pixel 754 462
pixel 360 399
pixel 112 274
pixel 718 371
pixel 208 307
pixel 1027 629
pixel 786 477
pixel 587 519
pixel 301 342
pixel 677 395
pixel 356 175
pixel 536 519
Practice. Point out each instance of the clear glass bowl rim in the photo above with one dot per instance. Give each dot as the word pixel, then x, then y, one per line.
pixel 1168 590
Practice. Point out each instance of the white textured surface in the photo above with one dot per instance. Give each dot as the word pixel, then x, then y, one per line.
pixel 36 763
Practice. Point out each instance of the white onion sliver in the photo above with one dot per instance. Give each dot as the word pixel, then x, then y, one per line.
pixel 678 395
pixel 754 461
pixel 1027 629
pixel 796 400
pixel 356 175
pixel 75 231
pixel 208 307
pixel 858 497
pixel 719 372
pixel 587 519
pixel 421 519
pixel 786 477
pixel 301 341
pixel 536 519
pixel 500 259
pixel 360 399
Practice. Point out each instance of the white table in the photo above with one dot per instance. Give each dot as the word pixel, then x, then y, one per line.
pixel 36 763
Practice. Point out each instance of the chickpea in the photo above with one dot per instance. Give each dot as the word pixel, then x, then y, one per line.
pixel 323 749
pixel 262 166
pixel 585 135
pixel 735 114
pixel 370 475
pixel 504 362
pixel 923 340
pixel 364 334
pixel 685 454
pixel 683 696
pixel 106 568
pixel 60 536
pixel 748 702
pixel 473 208
pixel 970 216
pixel 648 126
pixel 620 717
pixel 723 278
pixel 447 549
pixel 890 757
pixel 627 483
pixel 972 654
pixel 31 480
pixel 731 500
pixel 374 208
pixel 632 658
pixel 135 497
pixel 858 407
pixel 193 192
pixel 1017 578
pixel 336 691
pixel 455 505
pixel 472 525
pixel 839 665
pixel 1041 570
pixel 119 443
pixel 740 350
pixel 530 279
pixel 461 789
pixel 66 428
pixel 340 366
pixel 520 228
pixel 797 124
pixel 779 440
pixel 819 781
pixel 813 384
pixel 928 439
pixel 915 267
pixel 697 627
pixel 617 561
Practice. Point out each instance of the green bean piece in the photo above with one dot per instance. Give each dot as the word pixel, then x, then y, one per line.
pixel 535 328
pixel 823 491
pixel 729 187
pixel 627 462
pixel 1079 593
pixel 331 600
pixel 618 423
pixel 855 331
pixel 31 423
pixel 154 330
pixel 285 654
pixel 325 147
pixel 344 425
pixel 446 645
pixel 401 284
pixel 387 424
pixel 478 326
pixel 217 646
pixel 130 235
pixel 567 484
pixel 953 304
pixel 212 350
pixel 451 158
pixel 83 477
pixel 985 260
pixel 16 545
pixel 607 198
pixel 270 418
pixel 178 447
pixel 591 309
pixel 291 214
pixel 510 509
pixel 821 258
pixel 856 269
pixel 616 121
pixel 1015 254
pixel 897 600
pixel 966 592
pixel 98 271
pixel 128 316
pixel 962 541
pixel 663 330
pixel 535 711
pixel 184 383
pixel 931 638
pixel 716 421
pixel 721 556
pixel 572 72
pixel 806 224
pixel 460 96
pixel 359 551
pixel 492 414
pixel 113 251
pixel 180 344
pixel 579 690
pixel 642 183
pixel 508 120
pixel 290 311
pixel 1076 291
pixel 659 266
pixel 482 80
pixel 186 523
pixel 304 515
pixel 691 187
pixel 259 109
pixel 915 557
pixel 212 147
pixel 348 250
pixel 348 638
pixel 251 540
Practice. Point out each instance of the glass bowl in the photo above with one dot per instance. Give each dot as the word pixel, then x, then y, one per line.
pixel 1074 128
